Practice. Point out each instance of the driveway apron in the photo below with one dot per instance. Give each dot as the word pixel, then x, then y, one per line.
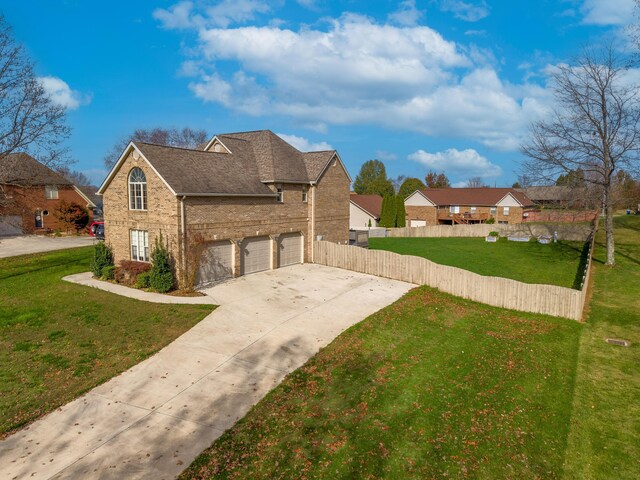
pixel 152 421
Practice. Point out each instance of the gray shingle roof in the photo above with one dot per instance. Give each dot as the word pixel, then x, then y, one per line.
pixel 23 169
pixel 194 171
pixel 256 158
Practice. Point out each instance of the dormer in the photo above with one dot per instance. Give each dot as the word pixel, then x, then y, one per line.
pixel 216 146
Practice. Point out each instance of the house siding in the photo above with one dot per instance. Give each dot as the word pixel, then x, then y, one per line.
pixel 332 204
pixel 24 201
pixel 162 214
pixel 430 214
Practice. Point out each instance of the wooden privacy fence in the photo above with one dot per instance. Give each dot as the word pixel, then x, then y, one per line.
pixel 496 291
pixel 579 233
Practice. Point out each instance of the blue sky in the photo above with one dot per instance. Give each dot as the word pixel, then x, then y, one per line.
pixel 448 85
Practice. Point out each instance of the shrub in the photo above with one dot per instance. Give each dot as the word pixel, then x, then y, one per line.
pixel 401 213
pixel 102 257
pixel 491 221
pixel 388 212
pixel 108 272
pixel 161 274
pixel 128 271
pixel 72 215
pixel 143 280
pixel 494 234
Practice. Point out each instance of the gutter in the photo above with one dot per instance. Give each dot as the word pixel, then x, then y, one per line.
pixel 184 195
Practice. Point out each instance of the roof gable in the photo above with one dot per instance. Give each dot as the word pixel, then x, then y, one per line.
pixel 370 204
pixel 483 196
pixel 22 169
pixel 418 199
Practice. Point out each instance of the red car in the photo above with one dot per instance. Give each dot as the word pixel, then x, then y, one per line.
pixel 91 229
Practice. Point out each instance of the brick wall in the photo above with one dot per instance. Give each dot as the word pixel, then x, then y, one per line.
pixel 332 205
pixel 162 214
pixel 25 201
pixel 429 214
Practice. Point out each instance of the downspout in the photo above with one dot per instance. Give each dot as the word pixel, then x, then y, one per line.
pixel 184 237
pixel 313 220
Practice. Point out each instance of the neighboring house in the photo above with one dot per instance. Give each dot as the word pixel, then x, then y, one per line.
pixel 91 192
pixel 448 206
pixel 30 193
pixel 364 211
pixel 248 202
pixel 552 195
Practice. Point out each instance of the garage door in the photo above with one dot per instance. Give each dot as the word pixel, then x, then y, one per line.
pixel 216 263
pixel 10 225
pixel 289 249
pixel 255 255
pixel 418 223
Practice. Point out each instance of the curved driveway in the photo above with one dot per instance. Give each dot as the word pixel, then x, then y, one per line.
pixel 153 420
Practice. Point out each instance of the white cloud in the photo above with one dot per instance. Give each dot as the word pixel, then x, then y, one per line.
pixel 310 4
pixel 355 71
pixel 386 156
pixel 607 12
pixel 468 11
pixel 407 14
pixel 457 162
pixel 182 15
pixel 303 144
pixel 61 94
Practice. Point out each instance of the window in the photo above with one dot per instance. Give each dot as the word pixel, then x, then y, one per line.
pixel 492 210
pixel 454 209
pixel 505 210
pixel 140 245
pixel 51 192
pixel 280 194
pixel 137 190
pixel 304 194
pixel 473 209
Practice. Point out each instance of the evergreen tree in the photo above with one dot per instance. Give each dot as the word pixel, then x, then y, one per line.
pixel 409 186
pixel 400 212
pixel 388 213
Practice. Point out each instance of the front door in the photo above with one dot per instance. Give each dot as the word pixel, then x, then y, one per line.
pixel 38 218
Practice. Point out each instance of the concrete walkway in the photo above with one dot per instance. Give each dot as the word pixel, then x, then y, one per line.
pixel 13 246
pixel 153 420
pixel 87 279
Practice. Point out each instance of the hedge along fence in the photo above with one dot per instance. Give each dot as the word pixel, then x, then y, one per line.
pixel 496 291
pixel 578 233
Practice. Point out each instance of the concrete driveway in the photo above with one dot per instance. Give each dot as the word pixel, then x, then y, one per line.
pixel 22 245
pixel 153 420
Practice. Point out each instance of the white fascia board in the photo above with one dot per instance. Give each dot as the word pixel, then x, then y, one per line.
pixel 211 142
pixel 89 202
pixel 499 204
pixel 365 211
pixel 416 200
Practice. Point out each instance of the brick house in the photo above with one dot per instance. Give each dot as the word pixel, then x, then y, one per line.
pixel 247 202
pixel 449 206
pixel 364 211
pixel 30 193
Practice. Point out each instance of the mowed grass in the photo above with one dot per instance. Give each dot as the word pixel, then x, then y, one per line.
pixel 58 340
pixel 604 442
pixel 528 262
pixel 432 386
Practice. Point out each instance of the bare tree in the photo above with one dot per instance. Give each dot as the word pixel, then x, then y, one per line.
pixel 436 180
pixel 593 128
pixel 79 179
pixel 475 182
pixel 185 137
pixel 29 121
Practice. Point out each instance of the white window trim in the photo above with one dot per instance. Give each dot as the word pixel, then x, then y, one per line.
pixel 493 210
pixel 473 209
pixel 304 194
pixel 51 192
pixel 135 195
pixel 505 210
pixel 454 208
pixel 137 239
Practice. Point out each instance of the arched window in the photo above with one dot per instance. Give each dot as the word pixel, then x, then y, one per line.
pixel 137 190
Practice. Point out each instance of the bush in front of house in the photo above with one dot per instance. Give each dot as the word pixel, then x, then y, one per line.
pixel 102 257
pixel 161 274
pixel 128 271
pixel 108 272
pixel 491 221
pixel 494 234
pixel 143 280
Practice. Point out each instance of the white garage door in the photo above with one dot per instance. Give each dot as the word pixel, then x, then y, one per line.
pixel 216 263
pixel 10 225
pixel 289 249
pixel 418 223
pixel 255 255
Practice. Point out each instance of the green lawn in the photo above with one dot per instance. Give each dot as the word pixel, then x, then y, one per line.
pixel 604 442
pixel 432 386
pixel 58 340
pixel 530 262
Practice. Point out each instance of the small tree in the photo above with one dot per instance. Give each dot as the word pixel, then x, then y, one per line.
pixel 102 258
pixel 401 214
pixel 72 215
pixel 388 212
pixel 372 179
pixel 409 186
pixel 161 274
pixel 437 180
